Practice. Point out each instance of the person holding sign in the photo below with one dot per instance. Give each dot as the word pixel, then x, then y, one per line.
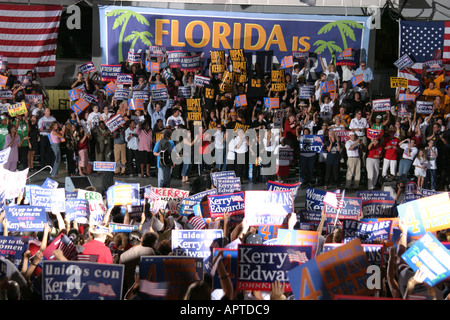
pixel 56 137
pixel 409 153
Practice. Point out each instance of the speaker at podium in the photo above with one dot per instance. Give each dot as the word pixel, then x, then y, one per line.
pixel 81 182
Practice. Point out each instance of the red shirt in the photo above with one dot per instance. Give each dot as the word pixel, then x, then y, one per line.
pixel 289 133
pixel 95 247
pixel 390 154
pixel 375 151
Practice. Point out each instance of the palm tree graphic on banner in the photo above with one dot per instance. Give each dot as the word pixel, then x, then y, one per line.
pixel 345 28
pixel 123 17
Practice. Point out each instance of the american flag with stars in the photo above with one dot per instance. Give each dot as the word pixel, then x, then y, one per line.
pixel 102 289
pixel 297 256
pixel 154 289
pixel 420 40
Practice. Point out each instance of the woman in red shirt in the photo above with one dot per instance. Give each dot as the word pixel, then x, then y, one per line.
pixel 82 149
pixel 375 152
pixel 390 146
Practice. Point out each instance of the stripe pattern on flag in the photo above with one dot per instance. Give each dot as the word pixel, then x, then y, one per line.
pixel 28 37
pixel 154 289
pixel 297 256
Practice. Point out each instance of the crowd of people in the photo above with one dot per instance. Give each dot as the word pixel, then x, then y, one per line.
pixel 410 146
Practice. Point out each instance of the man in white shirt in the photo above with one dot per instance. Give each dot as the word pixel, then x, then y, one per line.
pixel 359 125
pixel 132 140
pixel 175 119
pixel 409 153
pixel 353 161
pixel 237 154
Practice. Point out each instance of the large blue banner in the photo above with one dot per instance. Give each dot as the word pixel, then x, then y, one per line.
pixel 314 199
pixel 377 204
pixel 124 28
pixel 12 248
pixel 75 280
pixel 25 218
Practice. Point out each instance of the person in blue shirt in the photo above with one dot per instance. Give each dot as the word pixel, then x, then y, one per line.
pixel 367 72
pixel 164 172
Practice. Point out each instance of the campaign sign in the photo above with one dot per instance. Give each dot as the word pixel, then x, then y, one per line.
pixel 403 97
pixel 3 80
pixel 230 204
pixel 314 199
pixel 381 105
pixel 119 195
pixel 328 86
pixel 136 104
pixel 49 199
pixel 124 78
pixel 434 65
pixel 430 256
pixel 305 92
pixel 357 79
pixel 367 232
pixel 97 207
pixel 131 188
pixel 403 62
pixel 25 218
pixel 346 57
pixel 268 232
pixel 174 58
pixel 4 155
pixel 121 94
pixel 50 184
pixel 191 63
pixel 157 51
pixel 74 280
pixel 184 92
pixel 287 237
pixel 104 166
pixel 194 243
pixel 339 271
pixel 424 107
pixel 15 182
pixel 351 209
pixel 115 122
pixel 78 210
pixel 133 57
pixel 374 133
pixel 278 186
pixel 178 272
pixel 240 101
pixel 311 143
pixel 228 185
pixel 426 214
pixel 287 62
pixel 200 81
pixel 173 198
pixel 120 227
pixel 79 106
pixel 87 67
pixel 13 248
pixel 187 204
pixel 374 252
pixel 110 89
pixel 271 103
pixel 140 95
pixel 33 99
pixel 300 55
pixel 229 261
pixel 159 94
pixel 267 207
pixel 110 72
pixel 376 204
pixel 6 94
pixel 17 109
pixel 260 265
pixel 399 82
pixel 221 174
pixel 286 154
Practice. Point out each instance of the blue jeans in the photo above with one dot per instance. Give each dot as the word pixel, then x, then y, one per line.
pixel 164 177
pixel 57 152
pixel 221 159
pixel 404 166
pixel 307 168
pixel 431 177
pixel 185 169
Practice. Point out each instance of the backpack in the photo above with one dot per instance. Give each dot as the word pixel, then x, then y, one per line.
pixel 165 156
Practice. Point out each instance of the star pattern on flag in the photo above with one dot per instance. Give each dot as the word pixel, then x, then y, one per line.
pixel 421 40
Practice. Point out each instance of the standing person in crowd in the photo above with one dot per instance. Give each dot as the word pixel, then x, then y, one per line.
pixel 82 140
pixel 56 136
pixel 163 149
pixel 238 154
pixel 353 146
pixel 409 153
pixel 21 123
pixel 220 142
pixel 307 160
pixel 333 149
pixel 145 137
pixel 157 112
pixel 420 168
pixel 13 142
pixel 367 75
pixel 390 146
pixel 375 152
pixel 187 156
pixel 120 150
pixel 34 136
pixel 45 152
pixel 71 148
pixel 132 140
pixel 431 154
pixel 359 125
pixel 102 137
pixel 282 163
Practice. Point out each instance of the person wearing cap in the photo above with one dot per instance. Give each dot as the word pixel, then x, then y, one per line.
pixel 96 246
pixel 390 146
pixel 3 130
pixel 379 124
pixel 353 146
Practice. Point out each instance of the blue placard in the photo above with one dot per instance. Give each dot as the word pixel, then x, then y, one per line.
pixel 115 122
pixel 50 184
pixel 314 199
pixel 374 252
pixel 351 209
pixel 260 265
pixel 120 227
pixel 184 92
pixel 50 199
pixel 121 94
pixel 305 92
pixel 424 107
pixel 159 94
pixel 12 248
pixel 87 67
pixel 221 174
pixel 194 243
pixel 78 210
pixel 429 255
pixel 25 218
pixel 311 143
pixel 278 186
pixel 381 105
pixel 228 185
pixel 377 204
pixel 191 63
pixel 229 261
pixel 124 78
pixel 104 166
pixel 141 94
pixel 110 72
pixel 403 62
pixel 89 281
pixel 187 204
pixel 367 232
pixel 231 204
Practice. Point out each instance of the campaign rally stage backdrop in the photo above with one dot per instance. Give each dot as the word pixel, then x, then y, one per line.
pixel 124 28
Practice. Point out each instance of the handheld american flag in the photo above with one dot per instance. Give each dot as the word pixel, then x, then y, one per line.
pixel 297 256
pixel 154 289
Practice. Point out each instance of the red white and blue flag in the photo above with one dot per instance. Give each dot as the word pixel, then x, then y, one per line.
pixel 421 40
pixel 297 256
pixel 28 37
pixel 154 289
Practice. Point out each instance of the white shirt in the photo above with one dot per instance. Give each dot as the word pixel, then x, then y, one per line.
pixel 279 161
pixel 359 124
pixel 93 119
pixel 218 140
pixel 175 121
pixel 326 110
pixel 413 152
pixel 431 160
pixel 232 148
pixel 354 152
pixel 133 142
